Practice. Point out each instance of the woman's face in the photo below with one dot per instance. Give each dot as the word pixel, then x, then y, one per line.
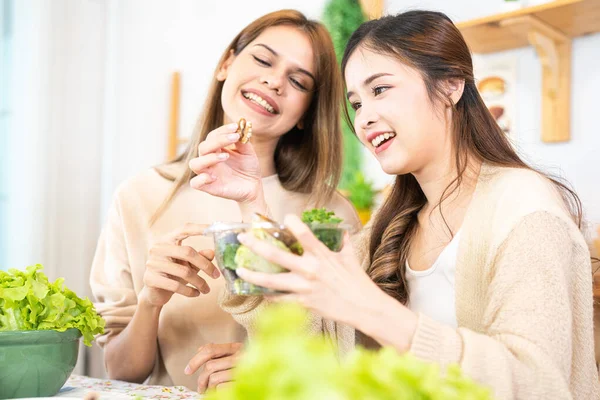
pixel 395 118
pixel 270 82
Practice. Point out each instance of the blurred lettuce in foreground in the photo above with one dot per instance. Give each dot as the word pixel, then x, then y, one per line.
pixel 284 362
pixel 28 301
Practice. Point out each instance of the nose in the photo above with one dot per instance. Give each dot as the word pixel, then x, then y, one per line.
pixel 365 118
pixel 273 81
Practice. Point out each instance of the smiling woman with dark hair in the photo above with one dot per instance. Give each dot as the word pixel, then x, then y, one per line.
pixel 475 258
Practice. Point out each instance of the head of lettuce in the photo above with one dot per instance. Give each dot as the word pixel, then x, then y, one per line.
pixel 28 301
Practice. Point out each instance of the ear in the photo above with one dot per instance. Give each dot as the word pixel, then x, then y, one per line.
pixel 454 89
pixel 224 68
pixel 300 124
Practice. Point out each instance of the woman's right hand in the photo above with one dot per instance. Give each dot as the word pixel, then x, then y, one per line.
pixel 173 268
pixel 227 168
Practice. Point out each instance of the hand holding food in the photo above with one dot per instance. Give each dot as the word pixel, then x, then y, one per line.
pixel 227 165
pixel 231 254
pixel 330 283
pixel 245 130
pixel 173 268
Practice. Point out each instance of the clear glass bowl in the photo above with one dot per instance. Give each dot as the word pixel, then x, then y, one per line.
pixel 231 254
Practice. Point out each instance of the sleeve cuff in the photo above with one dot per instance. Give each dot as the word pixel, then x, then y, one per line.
pixel 436 342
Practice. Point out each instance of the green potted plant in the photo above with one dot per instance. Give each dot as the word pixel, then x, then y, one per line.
pixel 361 194
pixel 342 18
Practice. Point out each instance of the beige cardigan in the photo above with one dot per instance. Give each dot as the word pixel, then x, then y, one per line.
pixel 523 295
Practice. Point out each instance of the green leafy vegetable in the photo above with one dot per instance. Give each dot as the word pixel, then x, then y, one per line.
pixel 387 375
pixel 28 301
pixel 284 362
pixel 229 255
pixel 320 216
pixel 331 236
pixel 245 258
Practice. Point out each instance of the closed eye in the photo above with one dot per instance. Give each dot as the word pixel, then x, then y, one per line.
pixel 298 85
pixel 262 62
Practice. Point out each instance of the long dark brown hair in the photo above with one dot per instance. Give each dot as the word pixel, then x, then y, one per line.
pixel 306 160
pixel 429 42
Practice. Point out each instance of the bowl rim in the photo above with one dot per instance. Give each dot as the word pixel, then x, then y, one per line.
pixel 42 336
pixel 220 227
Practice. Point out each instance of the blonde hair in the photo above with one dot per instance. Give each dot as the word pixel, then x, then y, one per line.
pixel 307 160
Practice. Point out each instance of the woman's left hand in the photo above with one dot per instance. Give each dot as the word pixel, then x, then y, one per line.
pixel 218 361
pixel 334 285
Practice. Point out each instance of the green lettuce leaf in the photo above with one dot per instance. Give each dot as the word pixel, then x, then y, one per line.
pixel 28 301
pixel 284 362
pixel 320 216
pixel 245 258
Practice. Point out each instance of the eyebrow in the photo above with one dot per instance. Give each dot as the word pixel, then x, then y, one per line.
pixel 369 80
pixel 301 70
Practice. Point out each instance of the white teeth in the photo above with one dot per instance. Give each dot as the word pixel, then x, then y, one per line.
pixel 381 138
pixel 260 101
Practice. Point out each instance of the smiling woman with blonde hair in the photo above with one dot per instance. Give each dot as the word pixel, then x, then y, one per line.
pixel 159 296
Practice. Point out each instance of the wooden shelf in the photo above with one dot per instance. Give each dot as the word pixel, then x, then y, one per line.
pixel 372 8
pixel 507 31
pixel 550 28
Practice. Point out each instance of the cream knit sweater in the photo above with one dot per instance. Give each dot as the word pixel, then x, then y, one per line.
pixel 118 269
pixel 523 295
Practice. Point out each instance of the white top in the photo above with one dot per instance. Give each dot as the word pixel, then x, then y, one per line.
pixel 431 292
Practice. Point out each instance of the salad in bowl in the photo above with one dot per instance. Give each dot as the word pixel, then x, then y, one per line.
pixel 230 254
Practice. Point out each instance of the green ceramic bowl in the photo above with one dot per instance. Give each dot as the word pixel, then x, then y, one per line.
pixel 36 363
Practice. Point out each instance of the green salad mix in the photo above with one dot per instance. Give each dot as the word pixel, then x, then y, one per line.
pixel 28 301
pixel 320 216
pixel 323 223
pixel 232 255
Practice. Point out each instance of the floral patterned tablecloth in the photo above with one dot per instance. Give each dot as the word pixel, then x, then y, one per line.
pixel 81 387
